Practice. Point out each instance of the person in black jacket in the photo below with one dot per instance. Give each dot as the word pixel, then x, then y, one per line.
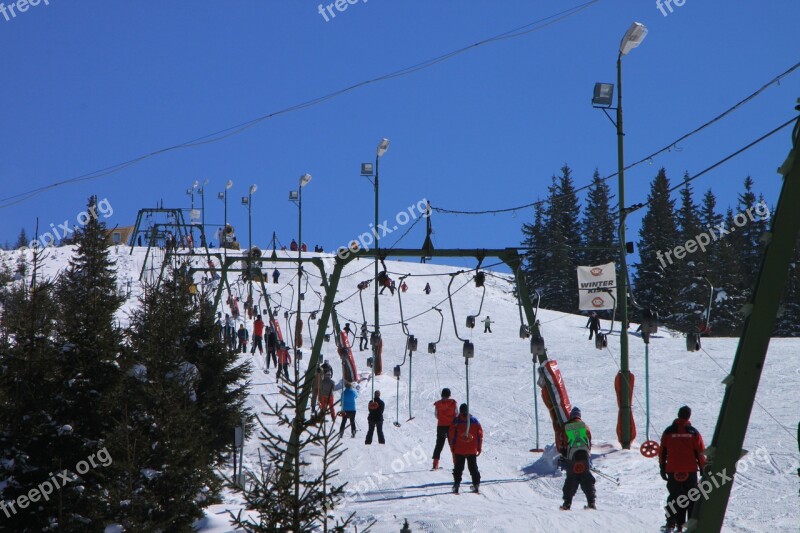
pixel 272 347
pixel 593 324
pixel 375 418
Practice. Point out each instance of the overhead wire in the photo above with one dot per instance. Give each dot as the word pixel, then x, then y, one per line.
pixel 658 152
pixel 230 131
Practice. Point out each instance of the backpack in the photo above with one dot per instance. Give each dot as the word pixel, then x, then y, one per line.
pixel 577 440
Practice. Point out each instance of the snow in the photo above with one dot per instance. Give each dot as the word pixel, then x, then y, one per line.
pixel 520 490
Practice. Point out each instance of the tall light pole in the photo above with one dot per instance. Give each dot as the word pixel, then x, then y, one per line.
pixel 224 197
pixel 190 192
pixel 248 201
pixel 202 192
pixel 603 95
pixel 297 197
pixel 367 172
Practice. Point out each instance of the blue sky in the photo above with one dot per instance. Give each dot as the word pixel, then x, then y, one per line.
pixel 91 84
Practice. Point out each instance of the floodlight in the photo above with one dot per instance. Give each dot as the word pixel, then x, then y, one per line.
pixel 603 94
pixel 293 196
pixel 367 169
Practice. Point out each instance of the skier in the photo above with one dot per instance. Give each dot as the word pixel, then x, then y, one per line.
pixel 304 247
pixel 258 336
pixel 347 331
pixel 235 307
pixel 272 347
pixel 387 283
pixel 218 326
pixel 682 452
pixel 445 411
pixel 362 342
pixel 593 324
pixel 487 324
pixel 575 448
pixel 283 363
pixel 243 337
pixel 375 418
pixel 248 306
pixel 230 332
pixel 293 246
pixel 466 447
pixel 403 287
pixel 326 387
pixel 327 368
pixel 315 390
pixel 427 288
pixel 275 276
pixel 349 397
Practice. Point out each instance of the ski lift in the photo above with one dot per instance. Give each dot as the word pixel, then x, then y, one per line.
pixel 524 331
pixel 369 362
pixel 313 315
pixel 412 343
pixel 470 321
pixel 601 341
pixel 327 337
pixel 692 342
pixel 537 346
pixel 480 278
pixel 432 345
pixel 469 350
pixel 396 371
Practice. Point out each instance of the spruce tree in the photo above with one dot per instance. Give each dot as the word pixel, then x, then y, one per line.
pixel 656 276
pixel 598 224
pixel 533 241
pixel 88 370
pixel 22 240
pixel 29 383
pixel 729 282
pixel 690 273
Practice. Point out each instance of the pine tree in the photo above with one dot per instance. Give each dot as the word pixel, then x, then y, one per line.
pixel 749 228
pixel 29 384
pixel 690 273
pixel 729 281
pixel 656 273
pixel 599 226
pixel 300 497
pixel 22 240
pixel 533 241
pixel 788 324
pixel 552 269
pixel 88 369
pixel 183 397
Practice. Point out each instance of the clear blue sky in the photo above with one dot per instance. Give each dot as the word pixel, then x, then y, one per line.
pixel 90 84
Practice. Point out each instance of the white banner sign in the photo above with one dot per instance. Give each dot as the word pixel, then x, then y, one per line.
pixel 597 287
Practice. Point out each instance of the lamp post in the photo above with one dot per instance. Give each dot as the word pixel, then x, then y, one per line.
pixel 367 172
pixel 224 197
pixel 603 97
pixel 297 197
pixel 190 192
pixel 202 192
pixel 248 201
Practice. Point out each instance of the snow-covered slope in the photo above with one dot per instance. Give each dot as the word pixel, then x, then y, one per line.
pixel 521 490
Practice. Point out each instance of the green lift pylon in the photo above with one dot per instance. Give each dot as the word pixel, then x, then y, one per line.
pixel 760 312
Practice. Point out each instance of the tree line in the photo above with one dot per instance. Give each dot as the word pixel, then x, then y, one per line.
pixel 684 246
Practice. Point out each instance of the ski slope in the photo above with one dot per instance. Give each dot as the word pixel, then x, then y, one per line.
pixel 520 490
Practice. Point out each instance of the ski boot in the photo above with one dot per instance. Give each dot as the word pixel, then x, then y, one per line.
pixel 435 464
pixel 565 506
pixel 455 488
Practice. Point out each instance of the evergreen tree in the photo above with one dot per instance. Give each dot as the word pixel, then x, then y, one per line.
pixel 300 497
pixel 533 241
pixel 690 273
pixel 22 240
pixel 746 233
pixel 657 272
pixel 29 384
pixel 729 283
pixel 599 226
pixel 88 370
pixel 551 270
pixel 788 324
pixel 183 395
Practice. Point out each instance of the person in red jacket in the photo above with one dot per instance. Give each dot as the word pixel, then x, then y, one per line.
pixel 258 336
pixel 682 452
pixel 466 445
pixel 445 412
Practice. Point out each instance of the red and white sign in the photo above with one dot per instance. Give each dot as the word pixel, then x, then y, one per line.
pixel 597 287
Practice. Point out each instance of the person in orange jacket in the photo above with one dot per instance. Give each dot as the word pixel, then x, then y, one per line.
pixel 682 452
pixel 466 446
pixel 445 411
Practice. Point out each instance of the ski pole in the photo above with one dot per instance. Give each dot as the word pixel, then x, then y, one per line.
pixel 605 476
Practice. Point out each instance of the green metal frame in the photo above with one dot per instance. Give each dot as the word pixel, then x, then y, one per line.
pixel 761 313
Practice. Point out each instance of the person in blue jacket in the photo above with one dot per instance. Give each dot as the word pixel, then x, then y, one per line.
pixel 348 409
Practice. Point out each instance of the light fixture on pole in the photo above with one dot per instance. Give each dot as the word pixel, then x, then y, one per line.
pixel 603 96
pixel 202 192
pixel 297 197
pixel 366 171
pixel 224 234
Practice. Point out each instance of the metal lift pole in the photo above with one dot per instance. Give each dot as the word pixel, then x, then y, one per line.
pixel 760 316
